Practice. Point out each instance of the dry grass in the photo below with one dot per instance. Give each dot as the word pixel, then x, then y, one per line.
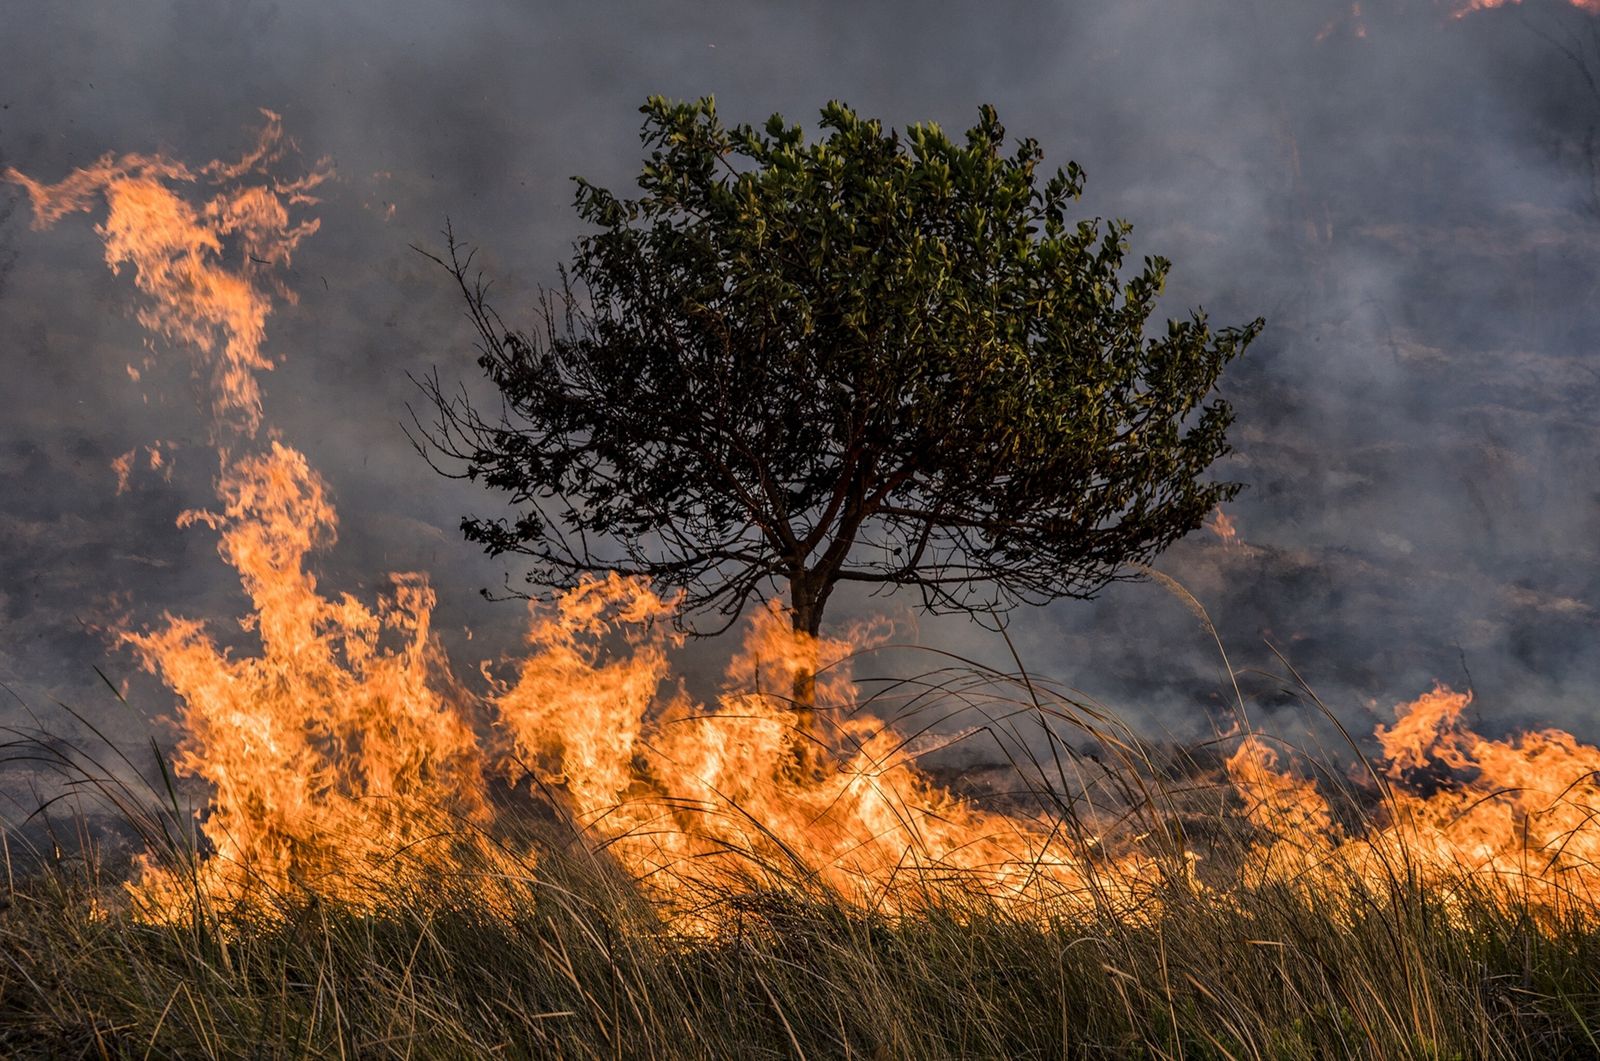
pixel 585 970
pixel 579 965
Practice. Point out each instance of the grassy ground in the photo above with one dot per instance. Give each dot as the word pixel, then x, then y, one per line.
pixel 579 966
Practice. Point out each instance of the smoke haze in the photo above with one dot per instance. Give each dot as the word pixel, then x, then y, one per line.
pixel 1409 198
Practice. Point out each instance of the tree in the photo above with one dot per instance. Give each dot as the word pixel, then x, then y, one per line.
pixel 865 358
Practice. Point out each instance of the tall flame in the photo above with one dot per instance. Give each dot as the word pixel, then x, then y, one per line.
pixel 176 247
pixel 328 752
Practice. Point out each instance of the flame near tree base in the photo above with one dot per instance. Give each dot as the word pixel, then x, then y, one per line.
pixel 337 769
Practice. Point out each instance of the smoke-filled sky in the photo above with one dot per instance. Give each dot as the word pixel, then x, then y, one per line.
pixel 1411 199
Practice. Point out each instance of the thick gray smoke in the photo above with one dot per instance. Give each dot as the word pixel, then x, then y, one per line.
pixel 1409 198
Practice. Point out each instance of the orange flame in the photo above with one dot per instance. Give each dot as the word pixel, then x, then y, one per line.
pixel 176 249
pixel 1462 811
pixel 1222 526
pixel 327 752
pixel 1463 8
pixel 685 795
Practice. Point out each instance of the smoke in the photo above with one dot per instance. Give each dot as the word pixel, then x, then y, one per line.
pixel 1406 196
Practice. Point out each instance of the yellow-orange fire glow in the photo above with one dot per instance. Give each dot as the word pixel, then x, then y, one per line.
pixel 336 764
pixel 193 296
pixel 343 759
pixel 1460 810
pixel 330 751
pixel 1221 524
pixel 683 794
pixel 1463 8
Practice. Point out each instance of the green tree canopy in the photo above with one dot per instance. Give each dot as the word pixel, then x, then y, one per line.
pixel 867 357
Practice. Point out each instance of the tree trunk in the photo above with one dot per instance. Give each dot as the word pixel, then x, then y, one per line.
pixel 808 740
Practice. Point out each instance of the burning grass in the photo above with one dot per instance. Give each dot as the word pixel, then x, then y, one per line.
pixel 567 954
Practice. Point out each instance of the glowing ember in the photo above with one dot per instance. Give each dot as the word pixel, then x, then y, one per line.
pixel 1354 21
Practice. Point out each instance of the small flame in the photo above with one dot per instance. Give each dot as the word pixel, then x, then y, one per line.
pixel 1463 8
pixel 1221 524
pixel 123 467
pixel 155 460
